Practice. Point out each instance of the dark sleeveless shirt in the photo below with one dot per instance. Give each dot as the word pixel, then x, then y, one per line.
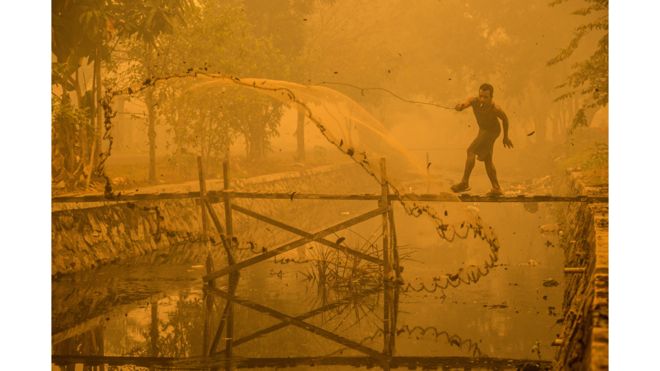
pixel 486 117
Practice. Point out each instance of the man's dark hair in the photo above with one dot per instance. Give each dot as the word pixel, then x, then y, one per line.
pixel 487 87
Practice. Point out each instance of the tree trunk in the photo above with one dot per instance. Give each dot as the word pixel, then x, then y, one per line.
pixel 300 134
pixel 258 141
pixel 96 141
pixel 99 109
pixel 151 117
pixel 151 133
pixel 246 136
pixel 83 130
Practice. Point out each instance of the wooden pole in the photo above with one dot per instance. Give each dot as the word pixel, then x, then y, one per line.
pixel 395 317
pixel 220 230
pixel 384 202
pixel 210 267
pixel 202 197
pixel 229 343
pixel 228 217
pixel 151 116
pixel 393 289
pixel 218 332
pixel 395 246
pixel 209 307
pixel 233 277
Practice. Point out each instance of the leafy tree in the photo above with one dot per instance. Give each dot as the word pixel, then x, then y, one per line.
pixel 284 23
pixel 148 21
pixel 180 335
pixel 81 33
pixel 589 78
pixel 67 155
pixel 217 39
pixel 197 120
pixel 256 118
pixel 88 31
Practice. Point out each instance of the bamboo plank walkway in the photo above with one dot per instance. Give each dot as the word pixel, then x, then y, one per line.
pixel 218 196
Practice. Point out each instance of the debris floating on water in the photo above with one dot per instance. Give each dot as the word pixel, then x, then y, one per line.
pixel 550 282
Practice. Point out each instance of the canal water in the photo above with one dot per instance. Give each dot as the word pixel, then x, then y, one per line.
pixel 156 305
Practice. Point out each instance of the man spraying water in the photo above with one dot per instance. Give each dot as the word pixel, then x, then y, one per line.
pixel 487 114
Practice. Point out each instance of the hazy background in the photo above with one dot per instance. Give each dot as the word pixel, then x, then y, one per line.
pixel 427 51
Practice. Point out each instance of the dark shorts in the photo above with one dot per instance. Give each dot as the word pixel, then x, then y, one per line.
pixel 482 145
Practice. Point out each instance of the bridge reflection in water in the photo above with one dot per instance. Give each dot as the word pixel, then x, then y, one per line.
pixel 220 304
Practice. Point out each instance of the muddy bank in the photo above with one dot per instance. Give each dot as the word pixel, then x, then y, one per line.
pixel 85 236
pixel 583 343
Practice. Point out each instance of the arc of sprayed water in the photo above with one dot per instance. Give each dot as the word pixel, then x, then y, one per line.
pixel 445 231
pixel 287 95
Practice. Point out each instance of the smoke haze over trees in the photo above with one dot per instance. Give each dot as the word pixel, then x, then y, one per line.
pixel 427 51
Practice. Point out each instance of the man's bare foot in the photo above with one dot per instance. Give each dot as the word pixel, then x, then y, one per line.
pixel 460 187
pixel 495 192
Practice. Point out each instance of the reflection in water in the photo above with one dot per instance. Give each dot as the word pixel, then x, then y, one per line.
pixel 318 313
pixel 469 346
pixel 178 335
pixel 178 342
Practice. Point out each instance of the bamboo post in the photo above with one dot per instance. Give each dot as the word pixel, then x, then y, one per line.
pixel 221 231
pixel 384 202
pixel 218 333
pixel 233 278
pixel 209 306
pixel 202 197
pixel 210 267
pixel 228 217
pixel 229 344
pixel 395 246
pixel 395 317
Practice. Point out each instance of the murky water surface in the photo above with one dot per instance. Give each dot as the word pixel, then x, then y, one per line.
pixel 157 305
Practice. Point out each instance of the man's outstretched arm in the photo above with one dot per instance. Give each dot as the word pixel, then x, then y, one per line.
pixel 505 127
pixel 464 105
